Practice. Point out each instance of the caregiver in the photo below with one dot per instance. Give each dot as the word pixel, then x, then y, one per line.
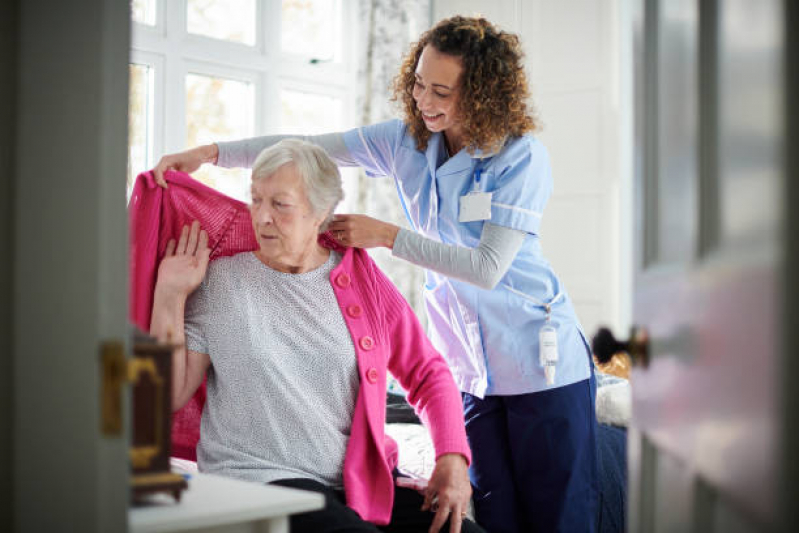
pixel 474 183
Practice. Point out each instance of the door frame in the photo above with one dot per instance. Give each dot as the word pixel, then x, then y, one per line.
pixel 69 235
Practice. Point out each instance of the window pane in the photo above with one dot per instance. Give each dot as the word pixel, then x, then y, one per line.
pixel 143 11
pixel 309 113
pixel 140 121
pixel 310 28
pixel 229 20
pixel 219 109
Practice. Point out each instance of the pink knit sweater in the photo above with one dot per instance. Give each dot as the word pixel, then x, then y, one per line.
pixel 384 331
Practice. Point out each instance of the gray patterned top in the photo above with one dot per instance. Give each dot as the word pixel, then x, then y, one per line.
pixel 283 378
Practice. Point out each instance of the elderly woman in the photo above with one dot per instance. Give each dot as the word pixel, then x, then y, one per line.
pixel 295 339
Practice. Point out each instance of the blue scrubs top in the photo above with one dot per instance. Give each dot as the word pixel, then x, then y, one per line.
pixel 489 337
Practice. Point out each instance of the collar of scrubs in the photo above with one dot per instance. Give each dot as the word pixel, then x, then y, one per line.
pixel 485 154
pixel 441 165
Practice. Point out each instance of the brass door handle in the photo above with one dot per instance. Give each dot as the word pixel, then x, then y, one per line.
pixel 114 375
pixel 605 346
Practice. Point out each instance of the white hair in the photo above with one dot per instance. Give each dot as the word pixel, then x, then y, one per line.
pixel 319 173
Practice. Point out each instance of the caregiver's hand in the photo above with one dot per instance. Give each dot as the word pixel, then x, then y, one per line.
pixel 448 492
pixel 360 231
pixel 187 161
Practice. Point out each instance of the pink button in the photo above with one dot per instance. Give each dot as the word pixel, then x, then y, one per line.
pixel 371 375
pixel 367 342
pixel 343 280
pixel 354 311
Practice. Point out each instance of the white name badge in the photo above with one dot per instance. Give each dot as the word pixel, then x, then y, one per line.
pixel 548 351
pixel 475 206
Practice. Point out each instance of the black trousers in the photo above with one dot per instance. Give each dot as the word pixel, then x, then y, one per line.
pixel 336 517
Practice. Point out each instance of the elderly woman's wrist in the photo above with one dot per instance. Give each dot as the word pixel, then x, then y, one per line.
pixel 167 295
pixel 454 456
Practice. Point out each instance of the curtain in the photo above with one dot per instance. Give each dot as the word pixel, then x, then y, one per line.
pixel 388 27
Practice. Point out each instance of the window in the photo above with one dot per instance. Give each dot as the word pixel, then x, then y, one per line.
pixel 143 11
pixel 307 29
pixel 231 20
pixel 140 120
pixel 220 109
pixel 305 112
pixel 215 70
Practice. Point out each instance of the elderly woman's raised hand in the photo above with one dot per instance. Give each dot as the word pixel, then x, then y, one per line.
pixel 448 492
pixel 185 262
pixel 187 161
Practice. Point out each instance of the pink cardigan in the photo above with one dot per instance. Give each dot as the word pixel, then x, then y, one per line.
pixel 384 330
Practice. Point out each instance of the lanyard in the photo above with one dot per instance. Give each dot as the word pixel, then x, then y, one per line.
pixel 547 306
pixel 478 175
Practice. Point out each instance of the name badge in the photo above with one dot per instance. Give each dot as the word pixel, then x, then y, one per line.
pixel 475 206
pixel 548 351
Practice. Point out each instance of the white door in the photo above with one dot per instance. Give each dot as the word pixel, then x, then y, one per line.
pixel 69 253
pixel 709 413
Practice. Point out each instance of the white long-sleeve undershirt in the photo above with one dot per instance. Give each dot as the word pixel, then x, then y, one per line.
pixel 483 266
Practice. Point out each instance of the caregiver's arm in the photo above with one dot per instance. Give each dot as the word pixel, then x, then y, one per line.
pixel 242 154
pixel 483 266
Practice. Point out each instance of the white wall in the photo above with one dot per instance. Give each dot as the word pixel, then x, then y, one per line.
pixel 575 57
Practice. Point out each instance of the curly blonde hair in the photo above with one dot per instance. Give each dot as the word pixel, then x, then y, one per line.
pixel 493 87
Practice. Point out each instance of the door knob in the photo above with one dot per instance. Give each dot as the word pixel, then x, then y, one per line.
pixel 605 346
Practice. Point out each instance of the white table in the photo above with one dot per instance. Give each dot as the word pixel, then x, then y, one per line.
pixel 214 504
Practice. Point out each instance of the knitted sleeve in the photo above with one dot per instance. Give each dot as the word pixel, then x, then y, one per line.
pixel 422 371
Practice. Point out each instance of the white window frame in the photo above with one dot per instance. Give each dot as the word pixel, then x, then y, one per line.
pixel 173 52
pixel 156 63
pixel 304 86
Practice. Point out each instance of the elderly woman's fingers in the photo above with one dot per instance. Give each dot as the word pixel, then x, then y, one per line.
pixel 440 519
pixel 456 520
pixel 430 500
pixel 194 236
pixel 170 248
pixel 184 238
pixel 203 245
pixel 204 252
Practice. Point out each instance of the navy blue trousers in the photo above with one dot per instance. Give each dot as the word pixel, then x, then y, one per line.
pixel 534 459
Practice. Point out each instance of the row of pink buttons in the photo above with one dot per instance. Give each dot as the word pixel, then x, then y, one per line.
pixel 366 342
